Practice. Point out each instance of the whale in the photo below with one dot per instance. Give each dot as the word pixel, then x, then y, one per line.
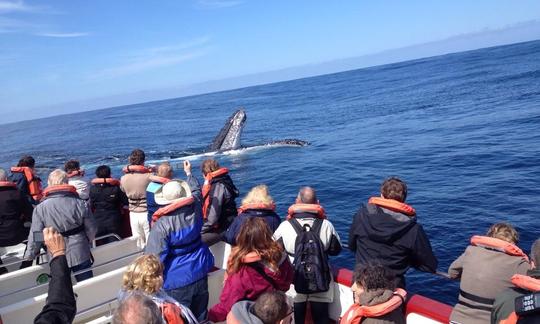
pixel 229 137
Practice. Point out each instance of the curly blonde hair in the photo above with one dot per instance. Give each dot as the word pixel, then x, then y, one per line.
pixel 258 194
pixel 505 232
pixel 144 274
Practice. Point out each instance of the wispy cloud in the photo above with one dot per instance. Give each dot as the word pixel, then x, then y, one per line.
pixel 15 6
pixel 154 57
pixel 62 35
pixel 218 4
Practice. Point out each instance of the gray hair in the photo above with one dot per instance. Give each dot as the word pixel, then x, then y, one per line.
pixel 3 175
pixel 137 308
pixel 57 177
pixel 307 195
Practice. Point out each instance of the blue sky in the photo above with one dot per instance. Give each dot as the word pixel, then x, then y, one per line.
pixel 68 51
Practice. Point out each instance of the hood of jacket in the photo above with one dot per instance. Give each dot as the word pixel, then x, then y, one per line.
pixel 384 225
pixel 375 297
pixel 242 313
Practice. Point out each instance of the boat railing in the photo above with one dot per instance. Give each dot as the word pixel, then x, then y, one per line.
pixel 92 309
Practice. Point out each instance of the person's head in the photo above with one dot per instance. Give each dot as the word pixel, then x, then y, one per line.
pixel 307 195
pixel 372 276
pixel 137 157
pixel 103 171
pixel 535 253
pixel 255 236
pixel 271 308
pixel 137 309
pixel 208 166
pixel 3 175
pixel 72 165
pixel 504 231
pixel 258 195
pixel 57 177
pixel 394 188
pixel 144 274
pixel 165 170
pixel 27 161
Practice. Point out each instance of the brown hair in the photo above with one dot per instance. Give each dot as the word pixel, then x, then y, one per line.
pixel 27 161
pixel 535 253
pixel 271 307
pixel 208 166
pixel 137 157
pixel 145 274
pixel 394 188
pixel 255 236
pixel 504 231
pixel 373 276
pixel 72 165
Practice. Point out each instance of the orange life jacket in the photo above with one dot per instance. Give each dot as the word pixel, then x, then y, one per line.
pixel 207 186
pixel 523 282
pixel 34 183
pixel 59 188
pixel 393 205
pixel 8 184
pixel 171 313
pixel 136 169
pixel 76 173
pixel 158 179
pixel 356 313
pixel 499 245
pixel 306 208
pixel 171 207
pixel 270 206
pixel 110 181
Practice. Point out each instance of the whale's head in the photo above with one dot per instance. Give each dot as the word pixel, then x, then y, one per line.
pixel 229 136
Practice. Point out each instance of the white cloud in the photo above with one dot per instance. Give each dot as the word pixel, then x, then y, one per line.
pixel 218 4
pixel 15 6
pixel 154 57
pixel 62 35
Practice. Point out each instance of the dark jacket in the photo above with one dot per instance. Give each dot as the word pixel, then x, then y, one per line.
pixel 394 239
pixel 269 216
pixel 176 239
pixel 504 303
pixel 222 208
pixel 107 201
pixel 15 209
pixel 22 184
pixel 61 305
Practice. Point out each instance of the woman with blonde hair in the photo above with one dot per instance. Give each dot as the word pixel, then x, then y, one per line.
pixel 257 203
pixel 145 275
pixel 256 265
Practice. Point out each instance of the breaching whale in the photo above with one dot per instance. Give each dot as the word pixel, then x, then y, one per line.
pixel 228 137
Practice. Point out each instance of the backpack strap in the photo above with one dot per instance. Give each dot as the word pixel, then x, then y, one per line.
pixel 258 267
pixel 296 225
pixel 316 227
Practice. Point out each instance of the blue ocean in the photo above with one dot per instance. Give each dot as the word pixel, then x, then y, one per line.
pixel 463 130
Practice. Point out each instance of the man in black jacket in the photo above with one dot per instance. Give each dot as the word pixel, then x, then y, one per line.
pixel 61 305
pixel 386 230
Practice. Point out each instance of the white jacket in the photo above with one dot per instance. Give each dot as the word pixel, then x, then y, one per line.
pixel 82 186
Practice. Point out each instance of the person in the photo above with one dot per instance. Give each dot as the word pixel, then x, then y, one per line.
pixel 134 182
pixel 504 305
pixel 145 275
pixel 257 203
pixel 61 305
pixel 137 309
pixel 485 269
pixel 76 178
pixel 270 308
pixel 219 206
pixel 307 212
pixel 15 210
pixel 376 300
pixel 108 203
pixel 257 264
pixel 386 230
pixel 63 210
pixel 27 181
pixel 176 239
pixel 164 174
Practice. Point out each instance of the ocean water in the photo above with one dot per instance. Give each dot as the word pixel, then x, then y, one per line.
pixel 463 130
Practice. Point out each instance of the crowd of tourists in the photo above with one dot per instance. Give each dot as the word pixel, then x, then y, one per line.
pixel 175 221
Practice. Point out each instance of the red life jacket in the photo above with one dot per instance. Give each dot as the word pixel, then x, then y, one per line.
pixel 59 188
pixel 207 186
pixel 306 208
pixel 34 183
pixel 158 179
pixel 110 181
pixel 136 169
pixel 392 204
pixel 172 207
pixel 171 313
pixel 8 184
pixel 523 282
pixel 76 173
pixel 263 206
pixel 499 245
pixel 356 313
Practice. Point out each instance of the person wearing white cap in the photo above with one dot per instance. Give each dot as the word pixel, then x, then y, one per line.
pixel 175 238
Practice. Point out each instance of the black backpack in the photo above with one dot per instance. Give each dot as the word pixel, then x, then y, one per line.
pixel 311 269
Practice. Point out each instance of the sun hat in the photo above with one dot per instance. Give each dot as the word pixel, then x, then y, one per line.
pixel 171 191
